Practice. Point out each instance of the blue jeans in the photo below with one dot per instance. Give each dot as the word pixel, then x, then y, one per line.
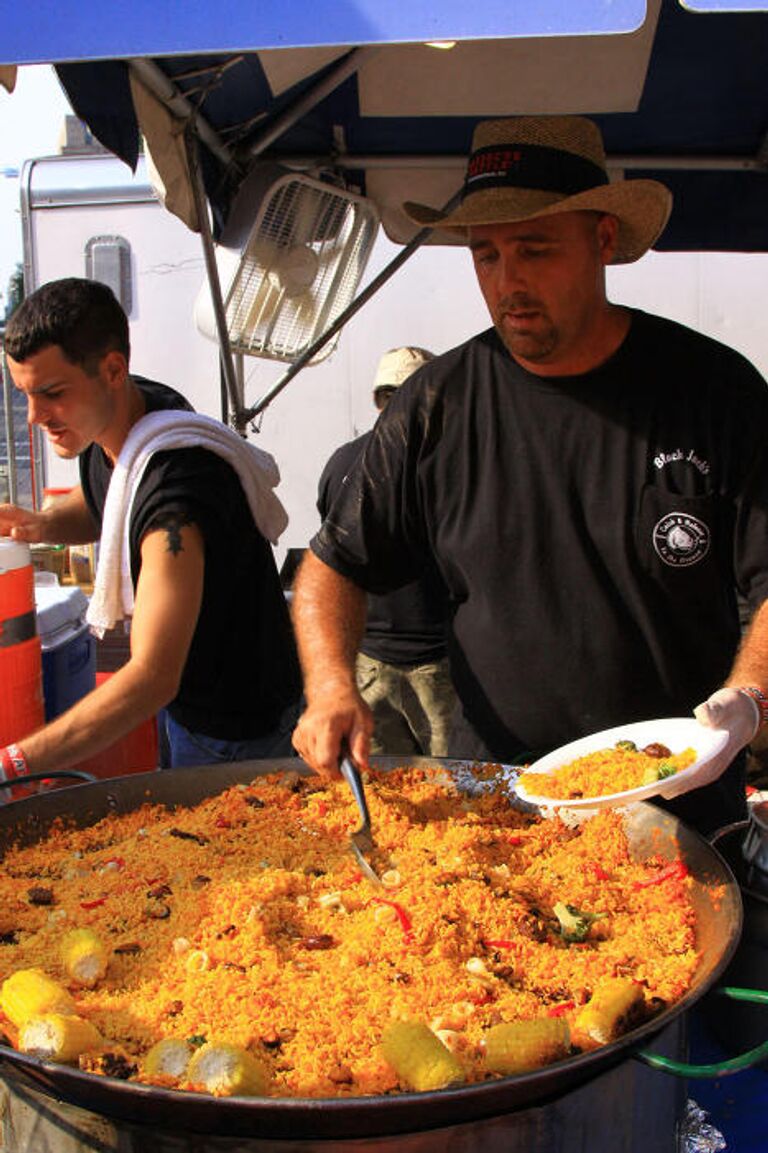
pixel 179 746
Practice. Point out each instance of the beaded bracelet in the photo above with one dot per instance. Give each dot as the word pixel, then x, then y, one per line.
pixel 761 700
pixel 13 763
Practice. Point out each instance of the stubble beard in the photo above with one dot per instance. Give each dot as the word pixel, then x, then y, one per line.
pixel 535 343
pixel 534 346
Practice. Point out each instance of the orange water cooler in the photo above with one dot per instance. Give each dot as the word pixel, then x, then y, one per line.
pixel 21 669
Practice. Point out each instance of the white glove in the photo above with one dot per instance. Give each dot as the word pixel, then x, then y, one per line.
pixel 735 713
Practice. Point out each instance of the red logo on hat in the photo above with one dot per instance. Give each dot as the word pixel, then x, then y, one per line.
pixel 493 162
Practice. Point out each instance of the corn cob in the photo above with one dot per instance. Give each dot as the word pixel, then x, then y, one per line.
pixel 59 1037
pixel 30 992
pixel 168 1058
pixel 613 1007
pixel 420 1059
pixel 227 1071
pixel 84 957
pixel 515 1046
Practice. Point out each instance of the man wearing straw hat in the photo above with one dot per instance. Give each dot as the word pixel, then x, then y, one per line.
pixel 590 481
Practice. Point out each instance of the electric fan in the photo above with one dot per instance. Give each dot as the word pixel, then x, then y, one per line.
pixel 290 260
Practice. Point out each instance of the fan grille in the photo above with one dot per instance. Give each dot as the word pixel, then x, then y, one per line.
pixel 301 267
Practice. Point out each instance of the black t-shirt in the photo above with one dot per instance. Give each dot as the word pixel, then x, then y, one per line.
pixel 407 626
pixel 242 670
pixel 592 531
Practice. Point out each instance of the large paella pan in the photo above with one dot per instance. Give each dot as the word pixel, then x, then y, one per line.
pixel 713 892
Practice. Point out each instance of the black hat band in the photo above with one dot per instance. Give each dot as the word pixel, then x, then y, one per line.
pixel 531 166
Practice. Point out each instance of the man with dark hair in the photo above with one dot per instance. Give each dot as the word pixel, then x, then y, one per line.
pixel 82 317
pixel 184 512
pixel 590 481
pixel 402 666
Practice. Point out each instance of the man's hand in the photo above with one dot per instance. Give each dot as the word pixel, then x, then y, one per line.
pixel 735 713
pixel 68 521
pixel 21 524
pixel 334 720
pixel 329 616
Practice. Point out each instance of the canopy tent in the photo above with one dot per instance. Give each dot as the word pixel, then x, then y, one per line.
pixel 82 30
pixel 681 95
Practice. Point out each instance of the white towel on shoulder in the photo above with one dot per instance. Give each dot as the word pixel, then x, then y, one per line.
pixel 112 598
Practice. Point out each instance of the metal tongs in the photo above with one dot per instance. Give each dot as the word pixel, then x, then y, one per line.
pixel 361 841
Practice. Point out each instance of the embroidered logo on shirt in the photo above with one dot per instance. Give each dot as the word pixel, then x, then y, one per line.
pixel 681 540
pixel 690 456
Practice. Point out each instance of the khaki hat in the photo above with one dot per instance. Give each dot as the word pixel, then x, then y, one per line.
pixel 397 365
pixel 529 166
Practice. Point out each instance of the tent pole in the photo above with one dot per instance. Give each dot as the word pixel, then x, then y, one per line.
pixel 214 283
pixel 170 96
pixel 345 68
pixel 9 430
pixel 644 162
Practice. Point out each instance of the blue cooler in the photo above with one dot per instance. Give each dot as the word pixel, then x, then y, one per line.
pixel 68 646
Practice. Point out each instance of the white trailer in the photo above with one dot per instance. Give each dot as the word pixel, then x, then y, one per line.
pixel 85 213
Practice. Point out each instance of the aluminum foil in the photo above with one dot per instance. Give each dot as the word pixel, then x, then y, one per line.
pixel 698 1136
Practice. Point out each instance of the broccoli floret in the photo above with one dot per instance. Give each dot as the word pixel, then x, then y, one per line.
pixel 574 924
pixel 658 773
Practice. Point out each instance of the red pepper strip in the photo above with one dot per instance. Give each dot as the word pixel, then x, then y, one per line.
pixel 92 904
pixel 484 998
pixel 678 869
pixel 322 808
pixel 561 1009
pixel 599 871
pixel 402 916
pixel 498 944
pixel 514 840
pixel 223 823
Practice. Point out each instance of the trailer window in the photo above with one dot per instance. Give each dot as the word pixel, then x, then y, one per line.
pixel 108 260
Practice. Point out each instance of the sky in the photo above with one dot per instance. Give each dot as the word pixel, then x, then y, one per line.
pixel 31 124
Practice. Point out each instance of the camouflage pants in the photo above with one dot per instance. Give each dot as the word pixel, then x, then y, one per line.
pixel 412 706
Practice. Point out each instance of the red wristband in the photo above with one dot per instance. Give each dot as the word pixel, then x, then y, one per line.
pixel 761 700
pixel 13 763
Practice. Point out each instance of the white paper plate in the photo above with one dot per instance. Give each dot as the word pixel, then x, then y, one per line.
pixel 677 733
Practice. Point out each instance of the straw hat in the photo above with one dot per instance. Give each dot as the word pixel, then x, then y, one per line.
pixel 529 166
pixel 397 365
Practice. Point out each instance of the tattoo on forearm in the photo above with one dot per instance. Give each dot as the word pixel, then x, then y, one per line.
pixel 172 523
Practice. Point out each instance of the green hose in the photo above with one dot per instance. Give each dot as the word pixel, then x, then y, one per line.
pixel 722 1068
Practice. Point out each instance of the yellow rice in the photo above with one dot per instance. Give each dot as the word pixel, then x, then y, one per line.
pixel 601 773
pixel 257 928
